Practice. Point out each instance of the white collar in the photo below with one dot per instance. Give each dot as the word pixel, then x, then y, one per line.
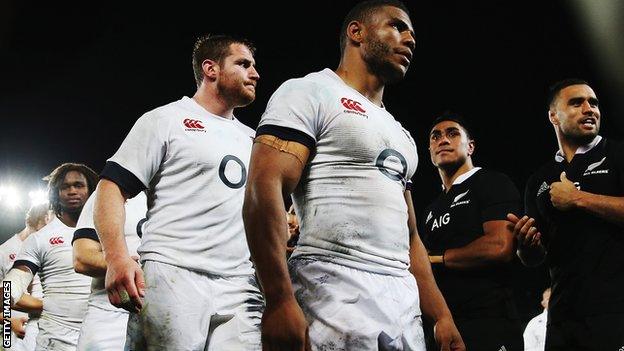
pixel 464 176
pixel 559 157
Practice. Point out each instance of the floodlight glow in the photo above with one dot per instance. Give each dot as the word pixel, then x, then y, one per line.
pixel 38 197
pixel 9 197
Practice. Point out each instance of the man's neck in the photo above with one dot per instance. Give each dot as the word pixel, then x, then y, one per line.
pixel 450 174
pixel 354 72
pixel 569 147
pixel 212 102
pixel 69 219
pixel 25 233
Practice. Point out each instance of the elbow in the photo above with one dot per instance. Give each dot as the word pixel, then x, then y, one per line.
pixel 79 267
pixel 503 253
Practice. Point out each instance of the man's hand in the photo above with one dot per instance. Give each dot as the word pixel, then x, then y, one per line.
pixel 125 284
pixel 526 234
pixel 284 327
pixel 18 325
pixel 447 336
pixel 563 194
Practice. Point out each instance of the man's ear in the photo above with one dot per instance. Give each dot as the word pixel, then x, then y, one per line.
pixel 471 147
pixel 552 117
pixel 210 68
pixel 355 32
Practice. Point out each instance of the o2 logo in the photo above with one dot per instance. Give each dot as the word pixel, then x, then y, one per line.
pixel 243 177
pixel 391 155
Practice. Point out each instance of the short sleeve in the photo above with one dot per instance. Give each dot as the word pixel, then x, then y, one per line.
pixel 293 113
pixel 617 157
pixel 31 254
pixel 498 197
pixel 139 156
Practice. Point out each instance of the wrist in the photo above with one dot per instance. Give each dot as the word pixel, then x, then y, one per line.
pixel 437 257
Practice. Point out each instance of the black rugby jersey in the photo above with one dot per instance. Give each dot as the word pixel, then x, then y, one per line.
pixel 585 254
pixel 454 220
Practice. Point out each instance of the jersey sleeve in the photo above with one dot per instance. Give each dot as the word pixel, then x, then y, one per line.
pixel 31 254
pixel 139 156
pixel 498 197
pixel 85 228
pixel 617 157
pixel 293 113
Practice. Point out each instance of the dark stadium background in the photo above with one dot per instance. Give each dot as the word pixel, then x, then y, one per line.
pixel 74 76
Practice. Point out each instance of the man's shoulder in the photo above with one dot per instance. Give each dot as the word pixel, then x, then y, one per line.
pixel 52 229
pixel 167 111
pixel 311 83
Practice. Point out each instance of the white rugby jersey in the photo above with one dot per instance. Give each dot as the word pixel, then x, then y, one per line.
pixel 8 253
pixel 65 292
pixel 350 199
pixel 135 214
pixel 194 166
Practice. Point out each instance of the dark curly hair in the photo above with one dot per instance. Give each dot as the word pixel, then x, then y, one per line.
pixel 55 179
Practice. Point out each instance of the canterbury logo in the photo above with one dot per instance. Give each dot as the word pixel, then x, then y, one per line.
pixel 57 240
pixel 193 123
pixel 352 105
pixel 458 197
pixel 12 257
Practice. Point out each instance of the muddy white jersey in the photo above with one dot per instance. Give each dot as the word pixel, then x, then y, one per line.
pixel 194 167
pixel 350 199
pixel 65 292
pixel 135 216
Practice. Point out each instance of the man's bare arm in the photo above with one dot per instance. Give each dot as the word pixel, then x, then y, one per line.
pixel 124 278
pixel 495 246
pixel 89 257
pixel 274 174
pixel 29 304
pixel 431 300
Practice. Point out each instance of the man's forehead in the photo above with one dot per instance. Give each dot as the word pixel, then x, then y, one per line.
pixel 238 49
pixel 445 125
pixel 74 176
pixel 391 12
pixel 577 90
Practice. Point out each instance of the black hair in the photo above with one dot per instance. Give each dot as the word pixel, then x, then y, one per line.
pixel 455 117
pixel 362 11
pixel 555 88
pixel 56 178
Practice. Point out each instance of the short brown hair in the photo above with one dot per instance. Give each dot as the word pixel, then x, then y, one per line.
pixel 216 48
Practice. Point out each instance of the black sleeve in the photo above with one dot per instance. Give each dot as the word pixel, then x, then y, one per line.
pixel 616 156
pixel 33 267
pixel 498 196
pixel 127 182
pixel 87 233
pixel 286 133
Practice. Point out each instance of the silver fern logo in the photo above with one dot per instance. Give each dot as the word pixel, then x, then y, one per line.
pixel 591 168
pixel 542 188
pixel 456 201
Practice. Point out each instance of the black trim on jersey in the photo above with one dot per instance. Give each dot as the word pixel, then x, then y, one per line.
pixel 86 233
pixel 33 267
pixel 409 185
pixel 286 133
pixel 139 228
pixel 128 182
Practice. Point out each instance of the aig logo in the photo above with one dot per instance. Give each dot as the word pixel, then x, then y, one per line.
pixel 440 221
